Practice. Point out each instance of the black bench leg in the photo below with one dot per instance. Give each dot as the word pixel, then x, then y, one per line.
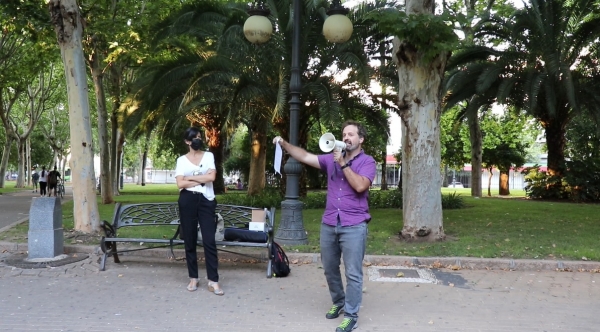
pixel 269 263
pixel 103 262
pixel 109 247
pixel 114 253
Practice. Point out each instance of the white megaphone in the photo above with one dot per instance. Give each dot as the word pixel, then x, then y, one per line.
pixel 327 143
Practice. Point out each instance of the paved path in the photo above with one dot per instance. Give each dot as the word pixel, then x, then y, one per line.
pixel 148 294
pixel 14 207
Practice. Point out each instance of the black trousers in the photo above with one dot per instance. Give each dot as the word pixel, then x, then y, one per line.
pixel 195 209
pixel 43 188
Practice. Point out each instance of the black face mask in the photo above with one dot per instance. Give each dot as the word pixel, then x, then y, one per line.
pixel 197 144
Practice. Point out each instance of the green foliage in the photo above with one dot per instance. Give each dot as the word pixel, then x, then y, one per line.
pixel 41 155
pixel 378 199
pixel 583 179
pixel 452 201
pixel 166 147
pixel 239 155
pixel 430 34
pixel 535 68
pixel 454 139
pixel 269 197
pixel 581 182
pixel 540 185
pixel 506 140
pixel 583 138
pixel 315 200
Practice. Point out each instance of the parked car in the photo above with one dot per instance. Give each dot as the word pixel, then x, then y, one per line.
pixel 455 185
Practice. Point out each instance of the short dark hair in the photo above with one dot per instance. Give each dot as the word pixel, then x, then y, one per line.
pixel 191 133
pixel 362 132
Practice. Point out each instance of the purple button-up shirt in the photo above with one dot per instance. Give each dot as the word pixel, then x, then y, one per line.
pixel 342 200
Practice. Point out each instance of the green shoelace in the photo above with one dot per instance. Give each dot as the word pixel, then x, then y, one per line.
pixel 345 323
pixel 333 310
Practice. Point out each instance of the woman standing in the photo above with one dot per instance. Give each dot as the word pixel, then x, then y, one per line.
pixel 43 181
pixel 195 173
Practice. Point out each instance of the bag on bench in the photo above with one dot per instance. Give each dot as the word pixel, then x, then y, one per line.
pixel 220 233
pixel 245 235
pixel 280 264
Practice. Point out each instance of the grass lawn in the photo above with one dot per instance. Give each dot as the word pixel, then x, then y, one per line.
pixel 9 187
pixel 488 227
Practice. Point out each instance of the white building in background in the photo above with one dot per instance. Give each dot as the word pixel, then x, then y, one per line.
pixel 159 175
pixel 395 134
pixel 152 175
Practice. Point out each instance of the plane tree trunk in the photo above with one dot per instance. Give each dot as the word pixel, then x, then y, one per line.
pixel 420 110
pixel 68 25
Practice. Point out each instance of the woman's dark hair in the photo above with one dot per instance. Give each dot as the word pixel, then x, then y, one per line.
pixel 191 133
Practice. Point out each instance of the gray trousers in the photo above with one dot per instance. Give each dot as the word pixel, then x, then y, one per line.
pixel 350 243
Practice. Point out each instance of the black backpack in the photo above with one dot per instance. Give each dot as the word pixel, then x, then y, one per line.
pixel 280 265
pixel 52 177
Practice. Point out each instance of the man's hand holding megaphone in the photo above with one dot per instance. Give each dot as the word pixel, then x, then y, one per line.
pixel 327 144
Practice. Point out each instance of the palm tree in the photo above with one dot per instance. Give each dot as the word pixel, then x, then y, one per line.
pixel 535 66
pixel 473 110
pixel 326 102
pixel 188 81
pixel 212 68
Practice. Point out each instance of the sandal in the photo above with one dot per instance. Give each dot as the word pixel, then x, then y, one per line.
pixel 193 285
pixel 214 287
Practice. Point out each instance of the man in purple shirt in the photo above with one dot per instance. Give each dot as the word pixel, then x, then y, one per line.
pixel 344 225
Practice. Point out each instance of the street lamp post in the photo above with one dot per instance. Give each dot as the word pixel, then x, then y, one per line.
pixel 258 30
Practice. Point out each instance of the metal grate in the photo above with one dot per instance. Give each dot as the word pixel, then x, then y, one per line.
pixel 401 274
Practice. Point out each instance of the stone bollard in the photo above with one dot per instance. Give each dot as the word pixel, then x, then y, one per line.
pixel 45 228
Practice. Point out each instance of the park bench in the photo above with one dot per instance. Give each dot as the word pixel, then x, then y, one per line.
pixel 236 221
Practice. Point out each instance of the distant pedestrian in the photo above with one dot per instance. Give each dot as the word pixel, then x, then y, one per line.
pixel 35 177
pixel 43 181
pixel 53 177
pixel 240 185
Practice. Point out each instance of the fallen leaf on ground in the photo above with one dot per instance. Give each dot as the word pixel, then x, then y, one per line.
pixel 436 265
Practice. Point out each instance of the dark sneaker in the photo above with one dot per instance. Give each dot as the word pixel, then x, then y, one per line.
pixel 348 324
pixel 334 312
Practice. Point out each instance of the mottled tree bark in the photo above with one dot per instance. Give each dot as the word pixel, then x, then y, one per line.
pixel 68 25
pixel 258 157
pixel 103 142
pixel 503 183
pixel 420 109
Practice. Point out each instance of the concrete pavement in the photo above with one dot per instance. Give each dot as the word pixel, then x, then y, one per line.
pixel 146 292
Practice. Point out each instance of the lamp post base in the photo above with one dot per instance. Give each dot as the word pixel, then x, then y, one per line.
pixel 291 228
